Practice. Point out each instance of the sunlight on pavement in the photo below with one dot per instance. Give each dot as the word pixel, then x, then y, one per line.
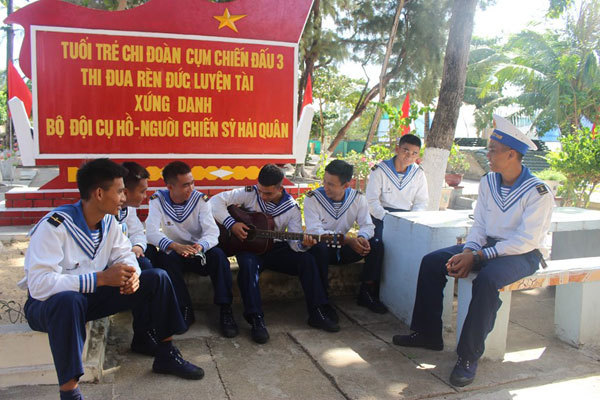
pixel 524 355
pixel 343 357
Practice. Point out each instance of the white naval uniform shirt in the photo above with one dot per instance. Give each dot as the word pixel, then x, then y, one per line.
pixel 286 213
pixel 62 256
pixel 388 189
pixel 132 227
pixel 195 225
pixel 321 217
pixel 519 221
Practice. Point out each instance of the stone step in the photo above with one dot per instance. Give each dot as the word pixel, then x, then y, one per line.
pixel 26 359
pixel 343 281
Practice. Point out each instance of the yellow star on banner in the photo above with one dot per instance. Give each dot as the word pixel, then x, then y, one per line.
pixel 228 20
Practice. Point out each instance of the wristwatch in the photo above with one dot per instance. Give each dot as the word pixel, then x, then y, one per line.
pixel 476 257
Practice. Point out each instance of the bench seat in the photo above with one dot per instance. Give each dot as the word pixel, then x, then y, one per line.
pixel 575 310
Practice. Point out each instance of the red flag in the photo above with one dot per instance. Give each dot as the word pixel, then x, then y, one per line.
pixel 405 112
pixel 308 99
pixel 594 131
pixel 18 88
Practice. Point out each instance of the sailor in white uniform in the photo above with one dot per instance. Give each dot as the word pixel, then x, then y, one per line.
pixel 181 224
pixel 136 184
pixel 79 267
pixel 269 197
pixel 334 208
pixel 397 184
pixel 505 244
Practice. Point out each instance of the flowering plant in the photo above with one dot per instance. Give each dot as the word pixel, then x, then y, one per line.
pixel 363 162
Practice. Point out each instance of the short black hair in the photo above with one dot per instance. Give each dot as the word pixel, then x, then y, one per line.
pixel 409 138
pixel 100 172
pixel 173 169
pixel 341 169
pixel 270 175
pixel 135 173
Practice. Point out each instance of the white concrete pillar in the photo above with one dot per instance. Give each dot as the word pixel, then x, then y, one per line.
pixel 576 318
pixel 495 343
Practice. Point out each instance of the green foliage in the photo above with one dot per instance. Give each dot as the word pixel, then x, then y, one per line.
pixel 551 175
pixel 397 121
pixel 363 162
pixel 457 161
pixel 579 161
pixel 3 107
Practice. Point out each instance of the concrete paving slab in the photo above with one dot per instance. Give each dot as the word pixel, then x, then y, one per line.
pixel 364 367
pixel 134 378
pixel 276 370
pixel 50 392
pixel 361 315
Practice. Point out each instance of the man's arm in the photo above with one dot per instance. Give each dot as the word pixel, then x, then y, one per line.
pixel 314 226
pixel 477 238
pixel 374 187
pixel 366 228
pixel 421 199
pixel 120 252
pixel 137 237
pixel 153 233
pixel 210 231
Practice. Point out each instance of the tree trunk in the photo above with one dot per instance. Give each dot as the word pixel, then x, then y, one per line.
pixel 452 89
pixel 311 54
pixel 426 124
pixel 388 52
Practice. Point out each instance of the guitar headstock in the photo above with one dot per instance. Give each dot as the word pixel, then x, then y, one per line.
pixel 333 240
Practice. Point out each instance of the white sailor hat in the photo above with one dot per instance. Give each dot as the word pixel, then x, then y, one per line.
pixel 508 134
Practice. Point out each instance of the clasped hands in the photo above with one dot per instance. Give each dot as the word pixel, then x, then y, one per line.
pixel 459 265
pixel 120 275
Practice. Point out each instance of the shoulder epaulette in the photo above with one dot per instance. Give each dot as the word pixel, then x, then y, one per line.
pixel 541 188
pixel 359 192
pixel 154 196
pixel 56 219
pixel 249 188
pixel 374 167
pixel 420 167
pixel 310 193
pixel 204 196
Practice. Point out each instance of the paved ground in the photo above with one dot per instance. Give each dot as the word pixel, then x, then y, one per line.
pixel 357 363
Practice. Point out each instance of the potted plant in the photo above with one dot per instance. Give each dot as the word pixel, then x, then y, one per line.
pixel 457 166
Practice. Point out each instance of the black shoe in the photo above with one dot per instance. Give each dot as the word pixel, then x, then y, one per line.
pixel 330 312
pixel 417 339
pixel 259 331
pixel 319 319
pixel 463 373
pixel 229 328
pixel 188 316
pixel 366 299
pixel 168 360
pixel 144 342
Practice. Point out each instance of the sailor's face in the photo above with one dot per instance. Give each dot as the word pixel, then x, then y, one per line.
pixel 334 188
pixel 497 155
pixel 136 195
pixel 407 153
pixel 113 198
pixel 182 188
pixel 270 193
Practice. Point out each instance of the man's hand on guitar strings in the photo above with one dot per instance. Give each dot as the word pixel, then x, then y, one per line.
pixel 308 241
pixel 240 230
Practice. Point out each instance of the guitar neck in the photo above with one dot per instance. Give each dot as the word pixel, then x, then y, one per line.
pixel 280 235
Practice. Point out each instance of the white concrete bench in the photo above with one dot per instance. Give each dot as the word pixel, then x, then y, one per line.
pixel 26 359
pixel 576 304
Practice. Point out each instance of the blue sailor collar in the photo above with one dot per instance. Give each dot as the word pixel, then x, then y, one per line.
pixel 389 168
pixel 286 203
pixel 522 185
pixel 188 206
pixel 74 223
pixel 327 203
pixel 123 212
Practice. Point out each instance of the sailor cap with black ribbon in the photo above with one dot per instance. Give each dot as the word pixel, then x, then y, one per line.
pixel 509 135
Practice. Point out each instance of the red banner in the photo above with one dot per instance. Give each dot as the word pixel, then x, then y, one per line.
pixel 123 94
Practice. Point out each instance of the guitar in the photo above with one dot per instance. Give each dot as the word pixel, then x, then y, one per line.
pixel 262 234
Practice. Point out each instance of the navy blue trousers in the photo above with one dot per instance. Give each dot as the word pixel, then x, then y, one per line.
pixel 485 302
pixel 328 255
pixel 217 267
pixel 280 258
pixel 144 263
pixel 63 317
pixel 379 222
